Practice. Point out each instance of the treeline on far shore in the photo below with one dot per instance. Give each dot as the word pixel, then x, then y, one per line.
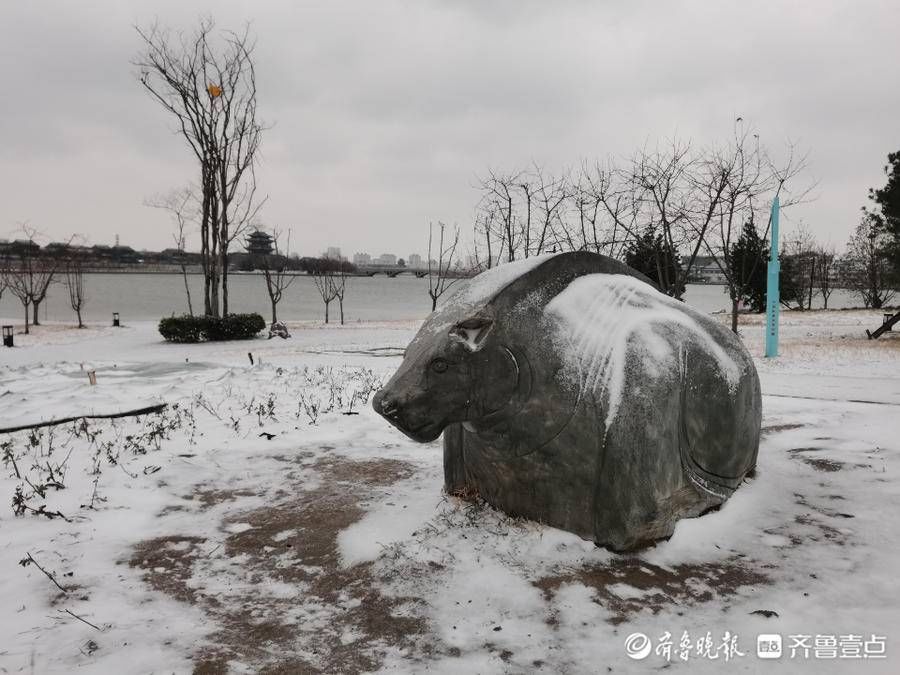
pixel 100 258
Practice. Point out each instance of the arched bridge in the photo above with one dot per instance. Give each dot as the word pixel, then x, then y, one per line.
pixel 389 270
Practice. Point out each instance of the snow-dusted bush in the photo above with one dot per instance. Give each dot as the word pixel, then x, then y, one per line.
pixel 198 328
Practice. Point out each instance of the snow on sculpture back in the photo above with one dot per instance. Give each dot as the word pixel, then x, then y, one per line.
pixel 603 316
pixel 570 391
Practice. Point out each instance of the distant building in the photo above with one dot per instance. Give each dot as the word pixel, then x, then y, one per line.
pixel 362 259
pixel 333 253
pixel 387 259
pixel 259 243
pixel 707 271
pixel 414 261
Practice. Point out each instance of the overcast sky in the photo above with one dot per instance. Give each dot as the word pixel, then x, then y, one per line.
pixel 385 112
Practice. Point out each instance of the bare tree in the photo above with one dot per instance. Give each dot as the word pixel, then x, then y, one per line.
pixel 29 272
pixel 339 284
pixel 587 206
pixel 616 209
pixel 498 198
pixel 16 285
pixel 522 214
pixel 799 268
pixel 486 229
pixel 322 274
pixel 867 263
pixel 661 191
pixel 182 206
pixel 439 279
pixel 825 263
pixel 211 92
pixel 691 199
pixel 751 181
pixel 552 193
pixel 275 270
pixel 75 284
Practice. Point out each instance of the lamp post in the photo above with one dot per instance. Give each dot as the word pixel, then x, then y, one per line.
pixel 772 299
pixel 115 318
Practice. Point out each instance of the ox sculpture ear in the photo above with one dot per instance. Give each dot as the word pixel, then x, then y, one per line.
pixel 472 332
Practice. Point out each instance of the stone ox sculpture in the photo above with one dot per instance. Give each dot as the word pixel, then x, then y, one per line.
pixel 572 392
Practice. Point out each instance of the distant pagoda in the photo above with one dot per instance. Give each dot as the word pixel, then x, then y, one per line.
pixel 259 243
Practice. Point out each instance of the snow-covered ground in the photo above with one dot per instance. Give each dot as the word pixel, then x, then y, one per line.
pixel 192 541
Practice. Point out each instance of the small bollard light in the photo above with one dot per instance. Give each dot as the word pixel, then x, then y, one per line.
pixel 7 336
pixel 115 319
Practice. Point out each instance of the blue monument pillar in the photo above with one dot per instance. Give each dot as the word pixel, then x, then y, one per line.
pixel 772 299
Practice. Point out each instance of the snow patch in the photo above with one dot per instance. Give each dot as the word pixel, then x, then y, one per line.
pixel 487 284
pixel 601 317
pixel 412 504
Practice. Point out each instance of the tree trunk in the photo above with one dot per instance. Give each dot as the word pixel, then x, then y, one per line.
pixel 26 317
pixel 341 303
pixel 734 315
pixel 433 303
pixel 326 311
pixel 36 305
pixel 224 282
pixel 812 282
pixel 214 290
pixel 187 289
pixel 80 323
pixel 207 307
pixel 274 311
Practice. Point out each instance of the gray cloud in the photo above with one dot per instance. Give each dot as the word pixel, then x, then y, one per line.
pixel 384 113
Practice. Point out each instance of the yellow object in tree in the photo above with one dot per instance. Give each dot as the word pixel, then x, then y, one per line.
pixel 214 90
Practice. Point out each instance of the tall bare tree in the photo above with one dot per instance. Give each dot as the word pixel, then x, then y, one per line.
pixel 440 278
pixel 74 268
pixel 207 82
pixel 182 206
pixel 323 278
pixel 275 270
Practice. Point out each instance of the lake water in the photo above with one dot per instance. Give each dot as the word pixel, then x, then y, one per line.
pixel 151 296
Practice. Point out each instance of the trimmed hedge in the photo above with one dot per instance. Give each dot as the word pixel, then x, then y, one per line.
pixel 198 328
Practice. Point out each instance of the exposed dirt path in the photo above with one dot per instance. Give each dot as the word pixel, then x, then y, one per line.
pixel 293 541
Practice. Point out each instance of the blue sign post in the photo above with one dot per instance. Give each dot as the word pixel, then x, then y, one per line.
pixel 772 299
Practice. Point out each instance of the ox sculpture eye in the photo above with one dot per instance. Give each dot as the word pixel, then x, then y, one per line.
pixel 439 366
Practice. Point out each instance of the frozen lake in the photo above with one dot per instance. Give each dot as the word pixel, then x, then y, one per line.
pixel 379 298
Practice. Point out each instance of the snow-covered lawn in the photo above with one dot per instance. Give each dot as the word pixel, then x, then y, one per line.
pixel 256 525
